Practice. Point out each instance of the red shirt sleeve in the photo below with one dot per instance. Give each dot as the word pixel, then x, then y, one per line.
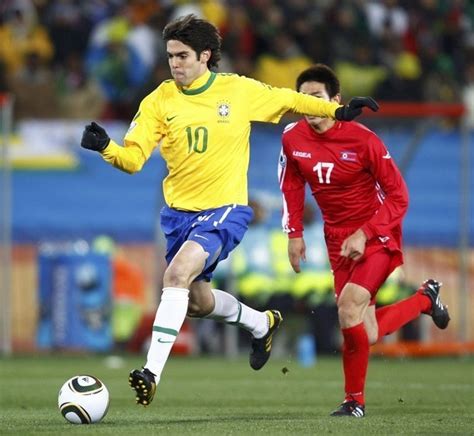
pixel 393 192
pixel 292 185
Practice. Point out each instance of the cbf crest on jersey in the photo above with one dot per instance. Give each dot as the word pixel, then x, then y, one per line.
pixel 223 111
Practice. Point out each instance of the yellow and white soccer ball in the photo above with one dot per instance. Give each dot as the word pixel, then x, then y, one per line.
pixel 83 399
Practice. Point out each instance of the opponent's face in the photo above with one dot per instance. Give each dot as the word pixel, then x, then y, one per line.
pixel 184 64
pixel 317 89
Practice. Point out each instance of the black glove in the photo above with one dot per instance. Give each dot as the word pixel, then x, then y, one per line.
pixel 354 108
pixel 95 137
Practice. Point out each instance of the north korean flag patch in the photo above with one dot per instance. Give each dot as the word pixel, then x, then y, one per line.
pixel 348 156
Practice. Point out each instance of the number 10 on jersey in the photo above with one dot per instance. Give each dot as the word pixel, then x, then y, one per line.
pixel 197 140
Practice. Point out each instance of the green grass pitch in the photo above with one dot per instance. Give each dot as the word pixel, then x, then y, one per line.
pixel 223 397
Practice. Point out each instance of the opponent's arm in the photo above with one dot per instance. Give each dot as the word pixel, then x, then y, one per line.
pixel 393 188
pixel 292 186
pixel 394 206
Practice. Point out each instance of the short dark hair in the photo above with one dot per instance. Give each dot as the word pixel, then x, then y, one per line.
pixel 323 74
pixel 199 34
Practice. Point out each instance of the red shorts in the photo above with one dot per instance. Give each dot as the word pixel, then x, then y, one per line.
pixel 378 262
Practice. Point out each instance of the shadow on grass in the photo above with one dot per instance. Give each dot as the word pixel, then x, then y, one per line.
pixel 207 420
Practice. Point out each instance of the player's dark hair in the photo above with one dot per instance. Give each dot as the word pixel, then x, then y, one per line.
pixel 199 34
pixel 323 74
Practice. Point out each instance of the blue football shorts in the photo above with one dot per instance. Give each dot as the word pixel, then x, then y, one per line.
pixel 218 231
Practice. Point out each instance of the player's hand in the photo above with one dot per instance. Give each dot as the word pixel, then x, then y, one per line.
pixel 296 252
pixel 353 247
pixel 95 137
pixel 354 108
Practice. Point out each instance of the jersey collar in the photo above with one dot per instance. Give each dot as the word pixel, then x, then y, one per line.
pixel 201 84
pixel 328 133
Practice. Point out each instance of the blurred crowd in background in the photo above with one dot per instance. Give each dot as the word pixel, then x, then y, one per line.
pixel 99 58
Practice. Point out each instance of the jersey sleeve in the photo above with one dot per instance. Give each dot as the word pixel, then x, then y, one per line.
pixel 393 192
pixel 269 104
pixel 142 137
pixel 292 186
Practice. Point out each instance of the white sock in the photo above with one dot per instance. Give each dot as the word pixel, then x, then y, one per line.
pixel 231 311
pixel 168 321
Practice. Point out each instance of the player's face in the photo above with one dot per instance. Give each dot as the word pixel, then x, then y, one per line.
pixel 184 64
pixel 317 89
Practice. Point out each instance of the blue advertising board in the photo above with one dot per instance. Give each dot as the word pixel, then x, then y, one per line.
pixel 74 301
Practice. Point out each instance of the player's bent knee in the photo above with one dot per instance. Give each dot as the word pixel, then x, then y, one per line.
pixel 175 278
pixel 348 315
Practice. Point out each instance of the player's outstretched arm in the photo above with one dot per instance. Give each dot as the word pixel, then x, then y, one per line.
pixel 129 158
pixel 95 137
pixel 354 108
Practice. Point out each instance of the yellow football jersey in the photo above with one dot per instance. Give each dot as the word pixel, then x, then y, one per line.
pixel 204 132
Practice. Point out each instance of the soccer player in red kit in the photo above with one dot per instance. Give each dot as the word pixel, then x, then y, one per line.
pixel 363 199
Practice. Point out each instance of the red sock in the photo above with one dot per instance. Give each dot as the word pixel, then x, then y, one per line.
pixel 355 359
pixel 391 318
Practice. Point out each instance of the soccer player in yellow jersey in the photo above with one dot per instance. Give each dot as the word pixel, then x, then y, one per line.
pixel 200 121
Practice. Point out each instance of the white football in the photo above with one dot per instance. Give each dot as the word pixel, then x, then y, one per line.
pixel 83 399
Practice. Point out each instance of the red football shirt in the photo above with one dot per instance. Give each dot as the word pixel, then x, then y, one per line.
pixel 352 177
